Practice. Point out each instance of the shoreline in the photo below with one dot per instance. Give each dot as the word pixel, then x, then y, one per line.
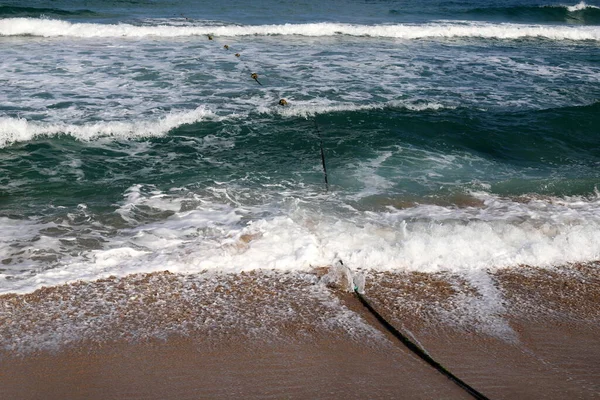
pixel 270 335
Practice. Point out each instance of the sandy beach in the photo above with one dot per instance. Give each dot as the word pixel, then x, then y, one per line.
pixel 280 199
pixel 293 335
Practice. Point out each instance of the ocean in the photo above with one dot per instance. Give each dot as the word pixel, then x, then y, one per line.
pixel 457 137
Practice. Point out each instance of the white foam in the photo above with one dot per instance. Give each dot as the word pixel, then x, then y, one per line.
pixel 427 238
pixel 307 109
pixel 91 87
pixel 14 130
pixel 580 6
pixel 445 29
pixel 24 244
pixel 371 181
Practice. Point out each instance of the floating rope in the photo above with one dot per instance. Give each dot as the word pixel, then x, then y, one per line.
pixel 283 102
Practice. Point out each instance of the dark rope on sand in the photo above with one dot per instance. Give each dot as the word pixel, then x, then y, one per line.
pixel 418 351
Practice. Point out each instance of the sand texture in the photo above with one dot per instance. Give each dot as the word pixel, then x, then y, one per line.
pixel 522 333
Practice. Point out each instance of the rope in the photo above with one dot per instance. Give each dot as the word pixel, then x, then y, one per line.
pixel 252 74
pixel 322 154
pixel 418 351
pixel 282 102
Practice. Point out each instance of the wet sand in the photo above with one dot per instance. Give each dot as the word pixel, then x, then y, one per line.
pixel 530 334
pixel 541 341
pixel 184 368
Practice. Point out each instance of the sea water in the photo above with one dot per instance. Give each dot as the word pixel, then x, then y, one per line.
pixel 456 136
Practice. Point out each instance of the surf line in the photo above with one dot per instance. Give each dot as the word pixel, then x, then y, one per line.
pixel 411 345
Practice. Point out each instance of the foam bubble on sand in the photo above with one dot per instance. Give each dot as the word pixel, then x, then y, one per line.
pixel 263 306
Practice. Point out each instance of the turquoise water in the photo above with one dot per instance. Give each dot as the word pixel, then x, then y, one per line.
pixel 456 136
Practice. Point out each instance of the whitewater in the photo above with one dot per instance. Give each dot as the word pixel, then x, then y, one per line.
pixel 459 139
pixel 454 29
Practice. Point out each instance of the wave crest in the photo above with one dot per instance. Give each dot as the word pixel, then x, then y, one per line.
pixel 306 110
pixel 582 5
pixel 55 28
pixel 580 13
pixel 13 130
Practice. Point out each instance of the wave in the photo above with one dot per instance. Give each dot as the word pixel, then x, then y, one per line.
pixel 581 6
pixel 307 110
pixel 592 109
pixel 425 238
pixel 13 130
pixel 457 29
pixel 14 11
pixel 580 13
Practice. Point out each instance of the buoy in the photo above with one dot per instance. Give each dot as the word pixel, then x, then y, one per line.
pixel 255 77
pixel 283 102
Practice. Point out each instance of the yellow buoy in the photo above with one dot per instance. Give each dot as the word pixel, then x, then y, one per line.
pixel 255 77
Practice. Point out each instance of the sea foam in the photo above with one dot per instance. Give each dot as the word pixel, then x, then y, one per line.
pixel 13 130
pixel 425 238
pixel 310 109
pixel 582 5
pixel 442 29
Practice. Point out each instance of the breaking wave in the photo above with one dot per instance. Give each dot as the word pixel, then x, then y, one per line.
pixel 13 130
pixel 56 28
